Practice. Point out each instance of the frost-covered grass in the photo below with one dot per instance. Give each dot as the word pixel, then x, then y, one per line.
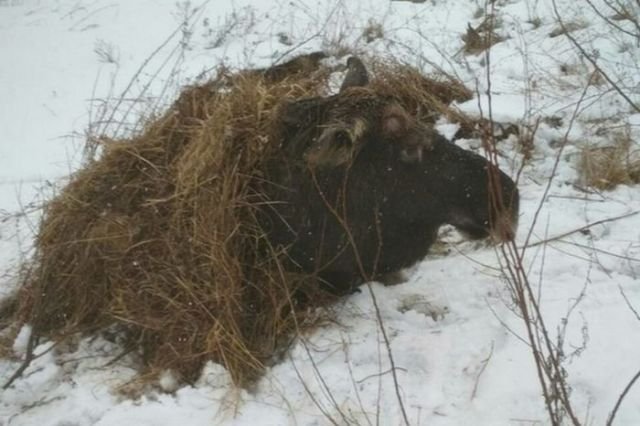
pixel 458 340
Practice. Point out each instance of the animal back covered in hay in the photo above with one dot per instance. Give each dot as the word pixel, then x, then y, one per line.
pixel 256 198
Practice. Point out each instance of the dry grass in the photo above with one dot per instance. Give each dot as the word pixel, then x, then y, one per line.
pixel 8 329
pixel 426 97
pixel 373 31
pixel 609 166
pixel 568 27
pixel 159 239
pixel 481 38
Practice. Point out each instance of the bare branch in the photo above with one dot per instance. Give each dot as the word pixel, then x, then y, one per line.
pixel 581 229
pixel 484 363
pixel 342 220
pixel 624 296
pixel 28 358
pixel 591 59
pixel 624 393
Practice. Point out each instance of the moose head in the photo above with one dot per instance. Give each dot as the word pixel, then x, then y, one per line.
pixel 359 186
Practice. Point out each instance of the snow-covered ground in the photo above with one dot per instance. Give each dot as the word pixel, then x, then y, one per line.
pixel 459 345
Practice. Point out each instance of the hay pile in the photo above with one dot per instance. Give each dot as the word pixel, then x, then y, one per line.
pixel 158 238
pixel 606 167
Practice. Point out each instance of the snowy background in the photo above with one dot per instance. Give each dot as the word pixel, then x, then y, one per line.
pixel 459 344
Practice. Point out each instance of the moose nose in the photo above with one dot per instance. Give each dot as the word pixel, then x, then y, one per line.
pixel 505 226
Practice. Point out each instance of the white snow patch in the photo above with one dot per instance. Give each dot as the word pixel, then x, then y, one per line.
pixel 22 341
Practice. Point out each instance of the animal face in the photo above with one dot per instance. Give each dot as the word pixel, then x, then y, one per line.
pixel 361 187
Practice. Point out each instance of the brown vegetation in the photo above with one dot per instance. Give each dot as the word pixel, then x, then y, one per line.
pixel 482 37
pixel 609 166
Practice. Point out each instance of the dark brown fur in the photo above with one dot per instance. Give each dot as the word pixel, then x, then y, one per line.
pixel 360 188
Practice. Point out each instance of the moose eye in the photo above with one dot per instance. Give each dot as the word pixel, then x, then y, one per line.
pixel 342 138
pixel 412 154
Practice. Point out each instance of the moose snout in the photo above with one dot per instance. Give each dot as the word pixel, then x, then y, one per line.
pixel 505 226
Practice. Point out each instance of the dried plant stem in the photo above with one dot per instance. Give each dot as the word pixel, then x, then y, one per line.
pixel 135 76
pixel 629 305
pixel 582 228
pixel 28 358
pixel 547 360
pixel 484 363
pixel 315 401
pixel 591 59
pixel 341 218
pixel 624 393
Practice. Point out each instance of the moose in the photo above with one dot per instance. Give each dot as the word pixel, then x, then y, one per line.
pixel 364 186
pixel 191 237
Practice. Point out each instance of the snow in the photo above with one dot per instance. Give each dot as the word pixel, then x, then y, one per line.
pixel 457 340
pixel 20 343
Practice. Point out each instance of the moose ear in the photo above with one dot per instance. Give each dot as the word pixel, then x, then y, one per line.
pixel 302 112
pixel 291 118
pixel 357 75
pixel 336 146
pixel 414 140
